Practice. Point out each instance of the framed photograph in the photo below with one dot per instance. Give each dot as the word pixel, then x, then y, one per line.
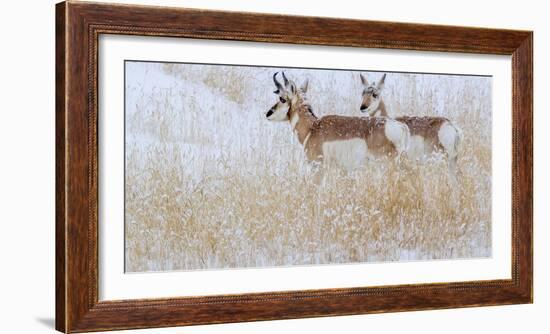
pixel 222 167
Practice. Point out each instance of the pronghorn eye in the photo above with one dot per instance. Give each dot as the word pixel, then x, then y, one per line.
pixel 374 95
pixel 282 100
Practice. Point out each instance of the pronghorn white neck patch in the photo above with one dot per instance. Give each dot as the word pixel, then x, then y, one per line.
pixel 307 138
pixel 294 120
pixel 373 108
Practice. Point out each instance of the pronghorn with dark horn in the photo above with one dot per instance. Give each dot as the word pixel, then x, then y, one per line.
pixel 429 135
pixel 346 141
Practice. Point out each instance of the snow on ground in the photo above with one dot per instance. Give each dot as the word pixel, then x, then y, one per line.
pixel 210 183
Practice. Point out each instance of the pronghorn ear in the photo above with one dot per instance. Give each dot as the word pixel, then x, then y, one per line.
pixel 364 80
pixel 305 86
pixel 293 88
pixel 380 84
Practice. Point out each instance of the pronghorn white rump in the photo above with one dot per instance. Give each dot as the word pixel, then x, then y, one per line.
pixel 333 139
pixel 429 134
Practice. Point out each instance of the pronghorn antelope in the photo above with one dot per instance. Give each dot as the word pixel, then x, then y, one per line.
pixel 428 134
pixel 333 139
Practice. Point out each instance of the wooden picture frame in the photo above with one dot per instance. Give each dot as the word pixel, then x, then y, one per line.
pixel 78 26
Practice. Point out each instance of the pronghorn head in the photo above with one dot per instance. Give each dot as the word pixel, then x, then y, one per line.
pixel 287 94
pixel 371 94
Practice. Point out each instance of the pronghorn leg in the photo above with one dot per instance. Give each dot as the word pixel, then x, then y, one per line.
pixel 318 176
pixel 453 168
pixel 449 137
pixel 454 176
pixel 318 173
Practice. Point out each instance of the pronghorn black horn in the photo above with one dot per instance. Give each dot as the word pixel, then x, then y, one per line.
pixel 277 83
pixel 285 79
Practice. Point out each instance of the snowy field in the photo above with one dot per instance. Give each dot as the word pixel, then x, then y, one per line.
pixel 210 183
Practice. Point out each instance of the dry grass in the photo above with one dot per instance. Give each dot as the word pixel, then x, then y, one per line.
pixel 241 194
